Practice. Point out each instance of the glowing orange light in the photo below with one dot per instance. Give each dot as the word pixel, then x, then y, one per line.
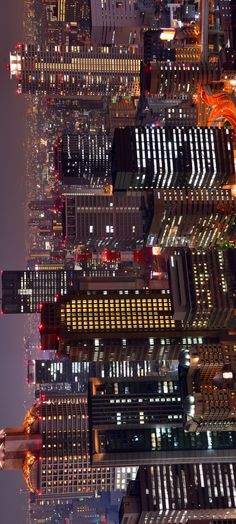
pixel 167 34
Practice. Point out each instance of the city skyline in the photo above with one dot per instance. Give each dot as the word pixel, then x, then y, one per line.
pixel 118 232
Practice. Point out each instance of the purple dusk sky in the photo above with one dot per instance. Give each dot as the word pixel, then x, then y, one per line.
pixel 12 254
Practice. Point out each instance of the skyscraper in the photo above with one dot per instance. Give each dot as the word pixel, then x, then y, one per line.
pixel 147 158
pixel 198 218
pixel 76 70
pixel 176 493
pixel 125 428
pixel 203 287
pixel 26 291
pixel 108 314
pixel 52 448
pixel 84 159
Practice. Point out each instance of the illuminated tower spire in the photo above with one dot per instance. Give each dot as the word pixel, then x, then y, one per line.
pixel 20 448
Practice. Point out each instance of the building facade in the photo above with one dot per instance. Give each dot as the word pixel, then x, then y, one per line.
pixel 203 285
pixel 103 221
pixel 76 70
pixel 178 80
pixel 196 218
pixel 153 157
pixel 179 494
pixel 84 159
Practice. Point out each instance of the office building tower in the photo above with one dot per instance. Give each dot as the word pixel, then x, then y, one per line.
pixel 99 221
pixel 175 493
pixel 107 314
pixel 26 291
pixel 196 218
pixel 203 288
pixel 141 439
pixel 86 508
pixel 52 449
pixel 76 70
pixel 177 80
pixel 84 159
pixel 208 388
pixel 116 24
pixel 148 158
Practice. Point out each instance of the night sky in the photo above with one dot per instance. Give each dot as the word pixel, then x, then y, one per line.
pixel 12 255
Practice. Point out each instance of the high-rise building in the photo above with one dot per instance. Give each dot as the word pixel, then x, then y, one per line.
pixel 107 314
pixel 197 218
pixel 147 158
pixel 178 79
pixel 208 387
pixel 53 450
pixel 84 159
pixel 68 377
pixel 123 435
pixel 175 493
pixel 26 291
pixel 76 70
pixel 158 112
pixel 103 220
pixel 203 287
